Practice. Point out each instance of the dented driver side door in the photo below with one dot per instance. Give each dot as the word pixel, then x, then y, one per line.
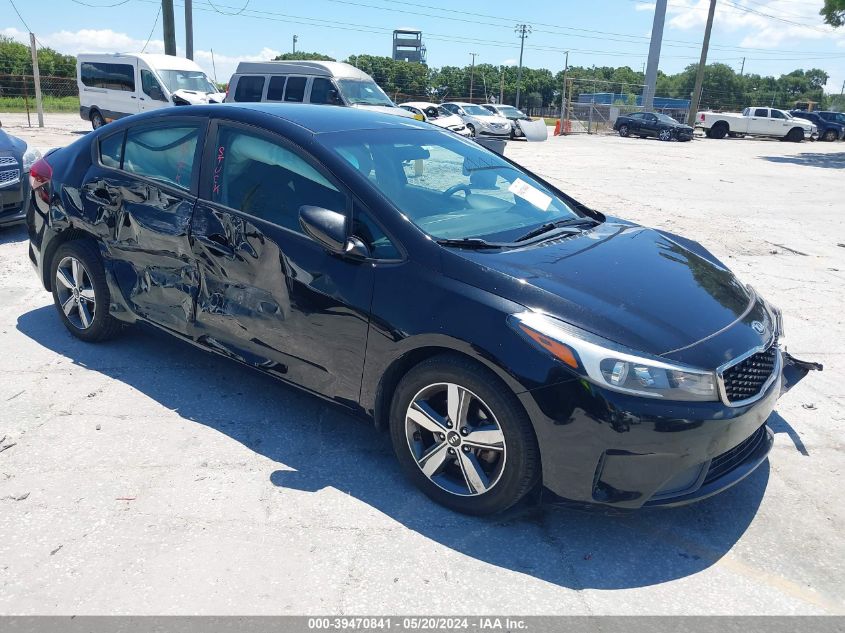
pixel 143 193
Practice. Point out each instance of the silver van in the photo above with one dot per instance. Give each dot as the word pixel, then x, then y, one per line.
pixel 324 83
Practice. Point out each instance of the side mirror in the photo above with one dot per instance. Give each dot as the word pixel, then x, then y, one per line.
pixel 328 228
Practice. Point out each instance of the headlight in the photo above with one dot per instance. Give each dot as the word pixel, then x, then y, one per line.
pixel 29 157
pixel 613 366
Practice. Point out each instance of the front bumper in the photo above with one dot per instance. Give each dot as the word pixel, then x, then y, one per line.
pixel 12 203
pixel 603 447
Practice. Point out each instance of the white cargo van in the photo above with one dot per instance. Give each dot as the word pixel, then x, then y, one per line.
pixel 115 85
pixel 323 83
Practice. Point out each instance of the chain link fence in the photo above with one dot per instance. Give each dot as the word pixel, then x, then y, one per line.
pixel 17 93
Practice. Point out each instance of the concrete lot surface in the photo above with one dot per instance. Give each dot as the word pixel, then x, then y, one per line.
pixel 143 476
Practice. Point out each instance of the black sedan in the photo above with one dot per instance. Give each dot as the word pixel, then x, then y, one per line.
pixel 15 160
pixel 645 124
pixel 507 336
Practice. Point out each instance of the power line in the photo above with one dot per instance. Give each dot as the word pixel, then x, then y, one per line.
pixel 152 30
pixel 28 30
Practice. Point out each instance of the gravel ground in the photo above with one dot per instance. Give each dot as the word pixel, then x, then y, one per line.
pixel 143 476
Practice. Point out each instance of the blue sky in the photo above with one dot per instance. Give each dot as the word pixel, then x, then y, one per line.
pixel 775 36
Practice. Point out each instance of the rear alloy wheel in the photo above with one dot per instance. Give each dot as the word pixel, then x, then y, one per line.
pixel 97 120
pixel 830 136
pixel 665 135
pixel 80 292
pixel 623 130
pixel 471 129
pixel 463 437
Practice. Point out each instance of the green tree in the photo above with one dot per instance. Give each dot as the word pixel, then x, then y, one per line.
pixel 833 12
pixel 319 57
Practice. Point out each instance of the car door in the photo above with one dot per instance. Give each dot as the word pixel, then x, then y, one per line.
pixel 270 295
pixel 152 96
pixel 142 191
pixel 780 125
pixel 648 126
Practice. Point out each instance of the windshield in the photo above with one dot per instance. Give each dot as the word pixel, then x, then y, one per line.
pixel 476 110
pixel 666 118
pixel 187 80
pixel 364 92
pixel 449 187
pixel 511 112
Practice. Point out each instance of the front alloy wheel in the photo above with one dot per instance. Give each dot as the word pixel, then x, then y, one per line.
pixel 665 135
pixel 75 292
pixel 462 436
pixel 455 439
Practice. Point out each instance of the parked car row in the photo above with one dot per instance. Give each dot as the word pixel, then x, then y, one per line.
pixel 114 86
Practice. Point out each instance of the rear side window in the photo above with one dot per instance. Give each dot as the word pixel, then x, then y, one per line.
pixel 111 150
pixel 164 153
pixel 295 90
pixel 249 88
pixel 267 180
pixel 276 89
pixel 108 76
pixel 761 112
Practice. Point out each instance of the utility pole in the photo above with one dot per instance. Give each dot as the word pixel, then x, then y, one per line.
pixel 168 27
pixel 189 29
pixel 654 53
pixel 295 40
pixel 522 30
pixel 742 68
pixel 36 78
pixel 563 93
pixel 501 84
pixel 699 76
pixel 842 92
pixel 472 76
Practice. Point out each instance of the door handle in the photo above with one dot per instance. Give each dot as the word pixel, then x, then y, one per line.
pixel 133 97
pixel 217 243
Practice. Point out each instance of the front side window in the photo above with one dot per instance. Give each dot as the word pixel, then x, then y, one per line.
pixel 324 92
pixel 366 229
pixel 295 90
pixel 777 114
pixel 249 89
pixel 761 112
pixel 267 180
pixel 163 152
pixel 151 87
pixel 108 76
pixel 449 187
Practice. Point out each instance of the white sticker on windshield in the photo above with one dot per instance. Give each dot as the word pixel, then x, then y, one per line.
pixel 530 193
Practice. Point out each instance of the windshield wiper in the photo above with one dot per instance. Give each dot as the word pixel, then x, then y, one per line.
pixel 469 242
pixel 551 226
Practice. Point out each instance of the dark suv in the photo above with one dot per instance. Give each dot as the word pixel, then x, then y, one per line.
pixel 829 128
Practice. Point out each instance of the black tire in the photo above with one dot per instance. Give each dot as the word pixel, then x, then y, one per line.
pixel 519 471
pixel 665 135
pixel 623 130
pixel 719 130
pixel 97 119
pixel 102 326
pixel 830 136
pixel 795 135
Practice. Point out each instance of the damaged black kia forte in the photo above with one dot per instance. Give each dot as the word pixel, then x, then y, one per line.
pixel 508 336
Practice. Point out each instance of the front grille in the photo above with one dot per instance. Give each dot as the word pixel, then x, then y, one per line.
pixel 747 378
pixel 729 460
pixel 8 161
pixel 9 177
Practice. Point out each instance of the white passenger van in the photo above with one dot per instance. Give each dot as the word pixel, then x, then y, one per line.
pixel 115 85
pixel 324 83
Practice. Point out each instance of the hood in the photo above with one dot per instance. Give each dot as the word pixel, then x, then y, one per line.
pixel 195 97
pixel 9 143
pixel 447 121
pixel 385 109
pixel 681 126
pixel 626 283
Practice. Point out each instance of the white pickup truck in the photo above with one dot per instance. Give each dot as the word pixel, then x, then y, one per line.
pixel 756 122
